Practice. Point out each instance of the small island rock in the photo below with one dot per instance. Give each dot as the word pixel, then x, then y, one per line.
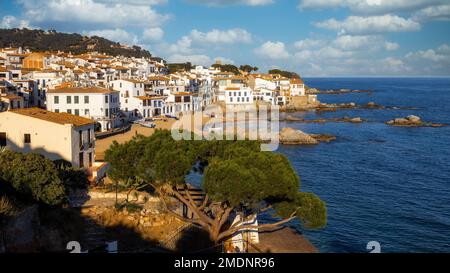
pixel 296 137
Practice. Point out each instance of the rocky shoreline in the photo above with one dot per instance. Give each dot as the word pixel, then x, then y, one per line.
pixel 290 118
pixel 315 91
pixel 290 136
pixel 322 107
pixel 413 121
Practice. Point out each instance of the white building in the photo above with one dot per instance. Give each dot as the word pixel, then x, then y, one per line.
pixel 238 95
pixel 99 104
pixel 297 87
pixel 129 89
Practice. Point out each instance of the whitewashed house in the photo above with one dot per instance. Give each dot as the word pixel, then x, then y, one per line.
pixel 99 104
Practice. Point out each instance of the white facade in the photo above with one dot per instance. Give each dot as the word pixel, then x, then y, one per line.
pixel 55 136
pixel 128 91
pixel 99 104
pixel 235 96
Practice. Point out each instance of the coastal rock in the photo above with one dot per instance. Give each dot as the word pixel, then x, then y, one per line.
pixel 291 136
pixel 412 121
pixel 292 118
pixel 323 137
pixel 356 120
pixel 371 104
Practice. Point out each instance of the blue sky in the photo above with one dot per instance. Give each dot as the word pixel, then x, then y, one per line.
pixel 311 37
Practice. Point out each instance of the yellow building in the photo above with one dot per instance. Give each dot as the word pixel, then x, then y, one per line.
pixel 34 61
pixel 53 135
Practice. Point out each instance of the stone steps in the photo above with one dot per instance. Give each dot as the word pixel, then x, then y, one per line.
pixel 94 237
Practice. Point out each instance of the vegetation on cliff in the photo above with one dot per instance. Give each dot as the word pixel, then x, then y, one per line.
pixel 179 67
pixel 40 40
pixel 287 74
pixel 227 68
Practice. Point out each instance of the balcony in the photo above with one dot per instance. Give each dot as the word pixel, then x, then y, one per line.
pixel 87 145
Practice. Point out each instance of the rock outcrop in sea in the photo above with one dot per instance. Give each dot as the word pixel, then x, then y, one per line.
pixel 412 121
pixel 290 136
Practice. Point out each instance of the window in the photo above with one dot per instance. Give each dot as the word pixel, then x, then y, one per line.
pixel 238 99
pixel 89 135
pixel 81 159
pixel 86 112
pixel 76 99
pixel 77 112
pixel 69 111
pixel 27 138
pixel 2 139
pixel 106 99
pixel 56 110
pixel 80 137
pixel 90 159
pixel 107 112
pixel 231 99
pixel 86 99
pixel 56 99
pixel 248 99
pixel 69 99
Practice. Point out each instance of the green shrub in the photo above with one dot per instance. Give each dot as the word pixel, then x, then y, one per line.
pixel 6 207
pixel 32 176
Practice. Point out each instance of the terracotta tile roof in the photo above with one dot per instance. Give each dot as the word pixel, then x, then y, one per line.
pixel 82 90
pixel 182 94
pixel 11 97
pixel 158 78
pixel 59 118
pixel 296 81
pixel 150 98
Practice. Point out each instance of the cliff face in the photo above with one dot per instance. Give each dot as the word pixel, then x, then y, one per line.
pixel 36 229
pixel 19 234
pixel 39 40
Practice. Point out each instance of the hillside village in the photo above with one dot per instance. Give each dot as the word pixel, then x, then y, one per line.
pixel 96 93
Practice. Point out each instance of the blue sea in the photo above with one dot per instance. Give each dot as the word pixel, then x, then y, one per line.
pixel 380 183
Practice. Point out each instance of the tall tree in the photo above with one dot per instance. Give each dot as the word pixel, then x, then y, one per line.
pixel 238 177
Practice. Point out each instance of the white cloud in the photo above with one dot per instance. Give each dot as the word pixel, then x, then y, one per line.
pixel 439 55
pixel 134 2
pixel 390 46
pixel 215 36
pixel 272 50
pixel 350 42
pixel 182 46
pixel 90 12
pixel 440 13
pixel 224 60
pixel 116 35
pixel 196 42
pixel 10 21
pixel 194 59
pixel 369 25
pixel 152 34
pixel 309 44
pixel 221 3
pixel 186 44
pixel 371 6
